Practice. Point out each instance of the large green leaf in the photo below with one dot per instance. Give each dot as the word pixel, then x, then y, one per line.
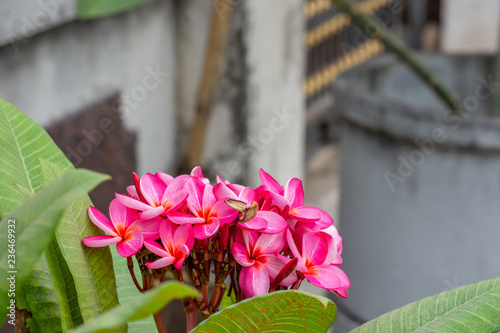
pixel 63 282
pixel 44 301
pixel 140 307
pixel 281 311
pixel 88 9
pixel 127 292
pixel 472 308
pixel 92 292
pixel 22 141
pixel 35 222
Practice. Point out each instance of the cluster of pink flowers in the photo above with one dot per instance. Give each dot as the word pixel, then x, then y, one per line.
pixel 266 237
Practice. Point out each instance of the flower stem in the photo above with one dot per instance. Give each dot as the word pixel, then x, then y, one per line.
pixel 190 316
pixel 221 296
pixel 130 264
pixel 160 324
pixel 215 298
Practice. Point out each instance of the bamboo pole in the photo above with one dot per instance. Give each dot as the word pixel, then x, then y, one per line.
pixel 219 26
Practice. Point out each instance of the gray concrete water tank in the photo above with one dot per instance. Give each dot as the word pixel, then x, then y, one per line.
pixel 420 193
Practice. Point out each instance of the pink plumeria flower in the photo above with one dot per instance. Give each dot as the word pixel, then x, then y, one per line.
pixel 317 254
pixel 290 201
pixel 177 242
pixel 208 213
pixel 123 229
pixel 265 221
pixel 261 264
pixel 159 199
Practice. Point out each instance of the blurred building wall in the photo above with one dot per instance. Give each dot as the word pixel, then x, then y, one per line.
pixel 52 65
pixel 54 73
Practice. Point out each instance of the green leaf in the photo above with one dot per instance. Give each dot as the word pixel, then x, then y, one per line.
pixel 22 141
pixel 228 300
pixel 74 226
pixel 43 300
pixel 140 307
pixel 88 9
pixel 472 308
pixel 35 222
pixel 281 311
pixel 127 292
pixel 63 285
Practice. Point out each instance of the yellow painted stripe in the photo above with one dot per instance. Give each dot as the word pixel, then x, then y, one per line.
pixel 320 80
pixel 336 23
pixel 315 7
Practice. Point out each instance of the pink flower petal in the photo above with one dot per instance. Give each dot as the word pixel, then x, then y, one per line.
pixel 220 180
pixel 293 246
pixel 328 277
pixel 279 201
pixel 334 246
pixel 248 238
pixel 166 178
pixel 240 254
pixel 150 229
pixel 208 200
pixel 270 183
pixel 180 256
pixel 294 192
pixel 174 202
pixel 182 218
pixel 275 223
pixel 255 224
pixel 151 213
pixel 269 244
pixel 197 172
pixel 184 235
pixel 167 231
pixel 254 280
pixel 194 200
pixel 325 221
pixel 177 185
pixel 131 244
pixel 274 265
pixel 293 276
pixel 341 292
pixel 131 202
pixel 248 196
pixel 223 212
pixel 306 213
pixel 100 241
pixel 315 248
pixel 163 262
pixel 101 221
pixel 132 191
pixel 236 188
pixel 152 189
pixel 137 183
pixel 205 230
pixel 156 248
pixel 222 192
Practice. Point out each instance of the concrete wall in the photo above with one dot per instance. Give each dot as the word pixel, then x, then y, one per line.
pixel 470 26
pixel 60 71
